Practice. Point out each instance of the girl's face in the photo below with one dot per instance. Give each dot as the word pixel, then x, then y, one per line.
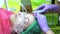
pixel 21 21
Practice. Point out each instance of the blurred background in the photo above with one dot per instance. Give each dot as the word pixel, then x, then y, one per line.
pixel 52 17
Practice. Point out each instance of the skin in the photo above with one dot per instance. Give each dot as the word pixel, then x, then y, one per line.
pixel 29 20
pixel 50 32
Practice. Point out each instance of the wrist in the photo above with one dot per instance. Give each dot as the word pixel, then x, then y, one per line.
pixel 49 32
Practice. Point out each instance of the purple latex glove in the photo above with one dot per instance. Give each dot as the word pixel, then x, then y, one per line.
pixel 42 22
pixel 45 7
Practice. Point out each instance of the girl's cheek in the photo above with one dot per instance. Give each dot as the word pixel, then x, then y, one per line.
pixel 30 18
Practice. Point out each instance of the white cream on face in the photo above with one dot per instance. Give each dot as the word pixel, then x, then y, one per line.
pixel 22 21
pixel 19 23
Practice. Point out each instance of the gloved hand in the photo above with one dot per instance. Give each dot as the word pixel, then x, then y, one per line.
pixel 45 7
pixel 42 22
